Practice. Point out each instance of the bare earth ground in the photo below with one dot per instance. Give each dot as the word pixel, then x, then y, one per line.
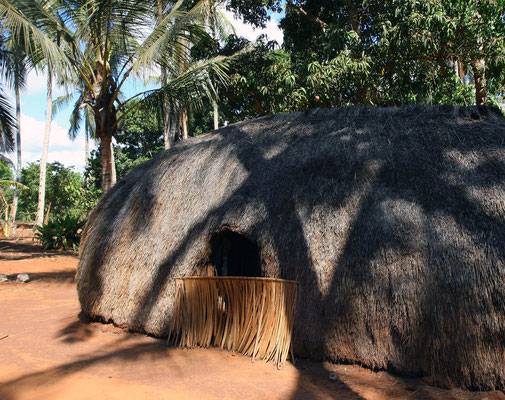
pixel 52 353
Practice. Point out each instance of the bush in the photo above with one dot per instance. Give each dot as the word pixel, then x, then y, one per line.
pixel 61 233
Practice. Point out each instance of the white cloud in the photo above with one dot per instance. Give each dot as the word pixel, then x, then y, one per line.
pixel 36 84
pixel 249 32
pixel 61 148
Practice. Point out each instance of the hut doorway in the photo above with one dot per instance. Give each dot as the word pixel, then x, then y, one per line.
pixel 237 310
pixel 234 255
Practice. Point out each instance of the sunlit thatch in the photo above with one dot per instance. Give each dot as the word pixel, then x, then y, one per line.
pixel 391 219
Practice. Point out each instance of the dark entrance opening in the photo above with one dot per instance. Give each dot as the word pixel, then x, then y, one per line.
pixel 234 255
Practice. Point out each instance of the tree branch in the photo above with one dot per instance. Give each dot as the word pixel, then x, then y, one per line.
pixel 306 15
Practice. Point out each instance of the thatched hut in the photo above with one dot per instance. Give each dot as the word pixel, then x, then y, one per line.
pixel 391 219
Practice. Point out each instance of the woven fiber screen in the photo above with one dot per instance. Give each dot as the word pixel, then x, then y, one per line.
pixel 252 316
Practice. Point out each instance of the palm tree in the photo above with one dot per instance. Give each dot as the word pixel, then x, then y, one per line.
pixel 220 28
pixel 176 112
pixel 106 43
pixel 7 121
pixel 39 217
pixel 14 69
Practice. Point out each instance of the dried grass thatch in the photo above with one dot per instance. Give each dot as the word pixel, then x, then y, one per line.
pixel 391 219
pixel 252 316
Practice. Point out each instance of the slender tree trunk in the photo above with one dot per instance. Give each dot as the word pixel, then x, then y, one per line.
pixel 86 145
pixel 48 210
pixel 183 113
pixel 167 128
pixel 461 70
pixel 113 166
pixel 479 76
pixel 15 200
pixel 168 138
pixel 184 123
pixel 107 163
pixel 105 120
pixel 45 146
pixel 216 114
pixel 86 149
pixel 172 133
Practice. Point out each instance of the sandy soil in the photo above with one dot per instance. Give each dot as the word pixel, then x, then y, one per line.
pixel 48 351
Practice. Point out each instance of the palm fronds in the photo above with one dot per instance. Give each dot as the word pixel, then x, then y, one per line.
pixel 7 124
pixel 252 316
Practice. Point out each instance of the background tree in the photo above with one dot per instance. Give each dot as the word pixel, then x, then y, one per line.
pixel 140 137
pixel 115 49
pixel 66 193
pixel 390 53
pixel 14 69
pixel 45 147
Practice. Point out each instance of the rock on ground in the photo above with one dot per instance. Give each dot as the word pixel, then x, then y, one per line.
pixel 23 278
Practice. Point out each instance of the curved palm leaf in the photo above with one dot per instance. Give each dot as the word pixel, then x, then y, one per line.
pixel 7 124
pixel 14 184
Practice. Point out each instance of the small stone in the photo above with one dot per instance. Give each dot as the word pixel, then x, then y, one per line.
pixel 23 278
pixel 333 377
pixel 3 278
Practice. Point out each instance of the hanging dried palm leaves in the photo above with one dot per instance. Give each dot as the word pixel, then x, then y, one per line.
pixel 252 316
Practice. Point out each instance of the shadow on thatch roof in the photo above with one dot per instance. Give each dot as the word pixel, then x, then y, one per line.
pixel 392 220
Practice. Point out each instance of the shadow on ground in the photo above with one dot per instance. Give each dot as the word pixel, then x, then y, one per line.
pixel 23 249
pixel 63 276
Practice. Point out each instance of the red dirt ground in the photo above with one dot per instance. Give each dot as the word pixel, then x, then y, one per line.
pixel 48 352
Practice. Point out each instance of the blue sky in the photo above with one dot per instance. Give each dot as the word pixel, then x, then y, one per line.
pixel 71 153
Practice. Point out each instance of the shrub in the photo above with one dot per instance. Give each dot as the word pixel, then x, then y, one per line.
pixel 61 233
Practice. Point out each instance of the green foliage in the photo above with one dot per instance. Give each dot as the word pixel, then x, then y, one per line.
pixel 66 192
pixel 61 233
pixel 124 161
pixel 139 138
pixel 5 171
pixel 6 191
pixel 262 81
pixel 375 52
pixel 140 133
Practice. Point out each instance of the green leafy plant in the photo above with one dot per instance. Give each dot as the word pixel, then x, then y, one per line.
pixel 62 233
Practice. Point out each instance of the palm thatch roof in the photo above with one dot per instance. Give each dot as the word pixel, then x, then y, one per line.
pixel 391 219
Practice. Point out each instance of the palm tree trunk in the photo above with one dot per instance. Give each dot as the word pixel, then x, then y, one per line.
pixel 113 166
pixel 167 128
pixel 45 146
pixel 184 123
pixel 15 200
pixel 106 155
pixel 168 138
pixel 172 132
pixel 216 114
pixel 86 145
pixel 108 176
pixel 167 132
